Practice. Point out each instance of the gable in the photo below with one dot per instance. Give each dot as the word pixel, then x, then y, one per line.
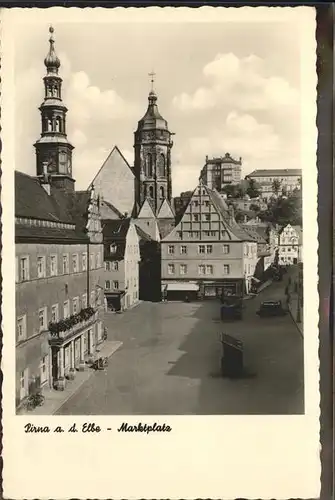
pixel 165 211
pixel 149 226
pixel 146 211
pixel 206 217
pixel 115 182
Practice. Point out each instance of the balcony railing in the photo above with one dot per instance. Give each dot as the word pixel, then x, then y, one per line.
pixel 67 327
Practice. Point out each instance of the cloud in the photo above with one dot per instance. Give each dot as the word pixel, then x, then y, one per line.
pixel 242 84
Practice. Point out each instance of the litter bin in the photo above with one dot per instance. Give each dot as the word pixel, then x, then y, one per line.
pixel 232 356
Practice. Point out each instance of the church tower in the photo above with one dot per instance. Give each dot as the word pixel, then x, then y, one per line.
pixel 53 150
pixel 152 165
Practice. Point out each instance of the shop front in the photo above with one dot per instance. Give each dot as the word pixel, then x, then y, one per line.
pixel 218 289
pixel 182 291
pixel 115 301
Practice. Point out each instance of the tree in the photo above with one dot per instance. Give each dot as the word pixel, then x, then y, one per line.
pixel 253 190
pixel 276 186
pixel 254 207
pixel 231 190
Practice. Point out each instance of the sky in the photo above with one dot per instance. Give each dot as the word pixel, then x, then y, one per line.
pixel 222 86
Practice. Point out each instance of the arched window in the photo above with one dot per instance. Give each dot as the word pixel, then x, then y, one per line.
pixel 151 191
pixel 58 124
pixel 49 125
pixel 145 191
pixel 54 91
pixel 161 192
pixel 161 166
pixel 149 165
pixel 49 91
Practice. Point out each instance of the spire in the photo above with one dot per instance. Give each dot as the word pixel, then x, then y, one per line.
pixel 52 63
pixel 152 93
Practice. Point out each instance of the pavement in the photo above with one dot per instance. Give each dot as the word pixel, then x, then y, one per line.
pixel 54 400
pixel 169 363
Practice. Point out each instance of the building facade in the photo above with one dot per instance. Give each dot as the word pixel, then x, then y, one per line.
pixel 221 171
pixel 290 245
pixel 207 253
pixel 277 181
pixel 122 258
pixel 59 258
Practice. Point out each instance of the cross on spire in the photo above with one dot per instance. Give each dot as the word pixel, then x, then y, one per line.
pixel 152 79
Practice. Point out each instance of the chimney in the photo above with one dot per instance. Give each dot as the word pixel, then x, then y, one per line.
pixel 206 158
pixel 45 178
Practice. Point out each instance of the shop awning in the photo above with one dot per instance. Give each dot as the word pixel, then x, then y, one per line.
pixel 182 287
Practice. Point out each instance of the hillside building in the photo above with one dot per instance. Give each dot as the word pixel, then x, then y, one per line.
pixel 219 172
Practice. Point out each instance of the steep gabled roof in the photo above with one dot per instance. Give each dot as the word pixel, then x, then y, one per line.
pixel 165 211
pixel 114 151
pixel 32 201
pixel 115 229
pixel 146 210
pixel 61 207
pixel 113 208
pixel 142 234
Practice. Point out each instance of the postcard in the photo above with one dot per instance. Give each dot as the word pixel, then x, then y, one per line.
pixel 159 265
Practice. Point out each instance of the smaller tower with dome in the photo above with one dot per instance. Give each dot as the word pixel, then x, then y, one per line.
pixel 152 165
pixel 53 150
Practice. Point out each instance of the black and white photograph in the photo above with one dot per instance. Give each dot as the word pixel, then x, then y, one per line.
pixel 160 193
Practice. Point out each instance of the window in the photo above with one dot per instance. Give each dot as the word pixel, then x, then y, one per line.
pixel 170 268
pixel 42 318
pixel 107 285
pixel 206 203
pixel 92 299
pixel 23 384
pixel 196 203
pixel 151 192
pixel 66 313
pixel 226 269
pixel 196 217
pixel 98 297
pixel 226 249
pixel 75 305
pixel 201 249
pixel 41 267
pixel 44 369
pixel 115 266
pixel 84 301
pixel 183 249
pixel 171 249
pixel 161 192
pixel 207 217
pixel 112 248
pixel 65 264
pixel 91 261
pixel 98 261
pixel 54 313
pixel 84 261
pixel 53 265
pixel 209 269
pixel 115 285
pixel 75 263
pixel 209 248
pixel 183 268
pixel 201 269
pixel 24 268
pixel 21 327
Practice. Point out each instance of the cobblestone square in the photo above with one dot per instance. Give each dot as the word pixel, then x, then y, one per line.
pixel 170 359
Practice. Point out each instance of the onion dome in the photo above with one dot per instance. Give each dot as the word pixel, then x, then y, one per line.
pixel 51 61
pixel 152 120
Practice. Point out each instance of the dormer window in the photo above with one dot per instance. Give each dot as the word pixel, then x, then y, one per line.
pixel 113 248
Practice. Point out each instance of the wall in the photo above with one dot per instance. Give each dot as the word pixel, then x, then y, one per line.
pixel 193 259
pixel 132 259
pixel 37 293
pixel 115 182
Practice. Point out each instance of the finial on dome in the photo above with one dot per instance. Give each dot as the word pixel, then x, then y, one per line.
pixel 51 61
pixel 152 93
